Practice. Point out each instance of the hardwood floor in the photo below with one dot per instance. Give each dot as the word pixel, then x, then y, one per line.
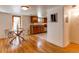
pixel 34 44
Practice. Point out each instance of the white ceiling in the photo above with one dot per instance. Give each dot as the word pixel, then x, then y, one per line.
pixel 33 9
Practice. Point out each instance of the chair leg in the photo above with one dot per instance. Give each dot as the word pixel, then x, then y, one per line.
pixel 12 40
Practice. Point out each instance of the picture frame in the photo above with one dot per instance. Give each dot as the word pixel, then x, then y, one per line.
pixel 54 17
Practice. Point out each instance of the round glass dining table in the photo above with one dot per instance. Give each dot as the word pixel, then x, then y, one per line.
pixel 16 37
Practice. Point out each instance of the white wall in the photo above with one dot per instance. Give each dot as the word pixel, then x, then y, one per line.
pixel 66 32
pixel 26 23
pixel 55 31
pixel 66 26
pixel 73 17
pixel 74 29
pixel 5 23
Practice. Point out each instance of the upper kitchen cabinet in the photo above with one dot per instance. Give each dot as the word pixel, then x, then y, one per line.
pixel 44 20
pixel 34 19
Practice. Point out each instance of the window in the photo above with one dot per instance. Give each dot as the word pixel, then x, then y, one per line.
pixel 16 22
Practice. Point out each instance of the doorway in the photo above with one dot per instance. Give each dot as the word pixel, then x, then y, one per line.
pixel 16 23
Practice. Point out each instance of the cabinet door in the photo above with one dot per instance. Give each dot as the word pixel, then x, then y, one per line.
pixel 36 29
pixel 42 28
pixel 45 20
pixel 34 19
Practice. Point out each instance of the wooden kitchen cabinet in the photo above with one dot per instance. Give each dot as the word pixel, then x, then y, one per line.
pixel 34 19
pixel 35 27
pixel 44 20
pixel 42 29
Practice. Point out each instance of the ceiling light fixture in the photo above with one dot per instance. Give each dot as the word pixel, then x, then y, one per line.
pixel 24 7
